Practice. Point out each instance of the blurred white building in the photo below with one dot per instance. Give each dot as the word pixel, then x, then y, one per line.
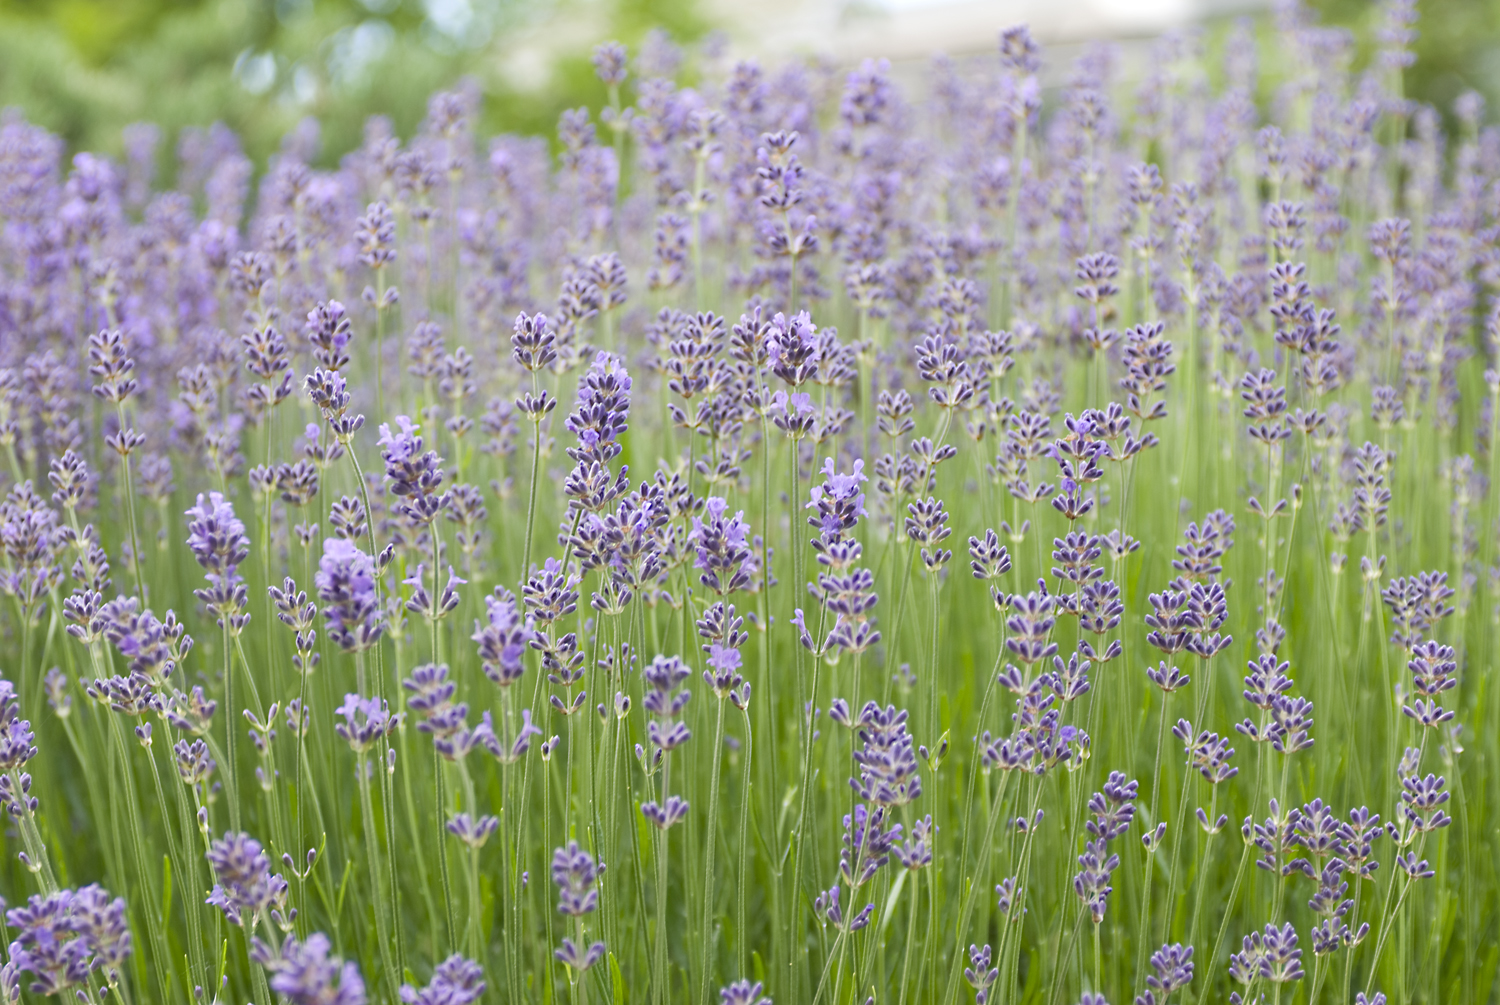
pixel 908 32
pixel 849 30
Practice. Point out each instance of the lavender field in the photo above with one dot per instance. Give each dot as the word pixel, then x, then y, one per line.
pixel 797 538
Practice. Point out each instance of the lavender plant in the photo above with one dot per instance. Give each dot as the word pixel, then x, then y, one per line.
pixel 323 703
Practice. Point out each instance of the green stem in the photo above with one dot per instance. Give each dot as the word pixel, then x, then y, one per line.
pixel 379 883
pixel 706 931
pixel 158 938
pixel 660 991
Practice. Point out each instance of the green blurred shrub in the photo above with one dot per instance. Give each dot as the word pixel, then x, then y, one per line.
pixel 86 68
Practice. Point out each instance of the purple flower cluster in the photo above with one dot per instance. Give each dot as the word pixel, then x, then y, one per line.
pixel 503 638
pixel 347 587
pixel 246 887
pixel 17 746
pixel 575 874
pixel 61 938
pixel 217 539
pixel 304 972
pixel 455 981
pixel 366 722
pixel 846 589
pixel 415 476
pixel 1111 812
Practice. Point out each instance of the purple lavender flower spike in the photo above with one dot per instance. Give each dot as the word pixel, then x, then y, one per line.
pixel 725 560
pixel 980 975
pixel 17 747
pixel 577 959
pixel 575 874
pixel 246 887
pixel 366 721
pixel 328 330
pixel 376 236
pixel 456 981
pixel 793 348
pixel 46 944
pixel 916 851
pixel 867 844
pixel 665 701
pixel 346 585
pixel 1091 883
pixel 503 638
pixel 666 814
pixel 470 831
pixel 101 922
pixel 415 475
pixel 1273 956
pixel 609 63
pixel 1174 969
pixel 743 993
pixel 887 763
pixel 306 974
pixel 217 540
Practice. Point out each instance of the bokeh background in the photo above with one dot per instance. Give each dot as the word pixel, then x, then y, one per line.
pixel 87 68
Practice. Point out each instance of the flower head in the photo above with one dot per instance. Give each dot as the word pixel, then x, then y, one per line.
pixel 503 638
pixel 574 873
pixel 366 720
pixel 346 585
pixel 306 974
pixel 48 945
pixel 456 981
pixel 246 886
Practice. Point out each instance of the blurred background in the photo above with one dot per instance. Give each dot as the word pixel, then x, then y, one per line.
pixel 86 68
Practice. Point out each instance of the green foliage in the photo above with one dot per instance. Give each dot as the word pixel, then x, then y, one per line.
pixel 1458 46
pixel 85 68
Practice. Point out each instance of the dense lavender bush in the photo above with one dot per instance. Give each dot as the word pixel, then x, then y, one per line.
pixel 473 577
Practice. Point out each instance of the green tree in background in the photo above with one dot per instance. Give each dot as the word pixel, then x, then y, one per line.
pixel 86 68
pixel 1457 47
